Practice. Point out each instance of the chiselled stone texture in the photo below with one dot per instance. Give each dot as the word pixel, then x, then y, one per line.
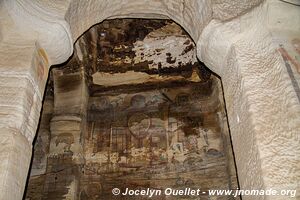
pixel 23 74
pixel 15 159
pixel 66 21
pixel 276 127
pixel 226 10
pixel 268 107
pixel 47 26
pixel 262 105
pixel 20 93
pixel 188 13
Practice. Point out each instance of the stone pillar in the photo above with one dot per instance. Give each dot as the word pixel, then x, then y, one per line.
pixel 23 74
pixel 67 128
pixel 262 104
pixel 25 56
pixel 15 159
pixel 41 145
pixel 263 112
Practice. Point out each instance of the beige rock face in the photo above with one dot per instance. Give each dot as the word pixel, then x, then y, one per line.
pixel 255 83
pixel 15 160
pixel 226 10
pixel 233 39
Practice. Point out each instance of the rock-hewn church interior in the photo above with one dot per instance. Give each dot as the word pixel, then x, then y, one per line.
pixel 160 99
pixel 133 107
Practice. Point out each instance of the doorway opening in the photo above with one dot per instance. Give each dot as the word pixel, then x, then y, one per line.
pixel 132 109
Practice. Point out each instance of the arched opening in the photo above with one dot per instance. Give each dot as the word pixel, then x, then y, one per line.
pixel 132 107
pixel 239 40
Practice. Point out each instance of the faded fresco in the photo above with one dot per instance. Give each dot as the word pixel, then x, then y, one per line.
pixel 155 139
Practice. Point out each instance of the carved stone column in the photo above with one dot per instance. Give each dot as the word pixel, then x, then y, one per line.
pixel 67 127
pixel 23 73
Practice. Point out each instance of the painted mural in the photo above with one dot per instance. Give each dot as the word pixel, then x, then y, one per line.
pixel 153 139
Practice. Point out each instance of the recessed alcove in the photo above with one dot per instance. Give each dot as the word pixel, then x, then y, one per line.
pixel 132 108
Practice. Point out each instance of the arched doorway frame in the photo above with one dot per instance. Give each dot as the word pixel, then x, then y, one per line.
pixel 250 68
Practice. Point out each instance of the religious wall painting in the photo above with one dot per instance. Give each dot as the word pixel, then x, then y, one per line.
pixel 151 135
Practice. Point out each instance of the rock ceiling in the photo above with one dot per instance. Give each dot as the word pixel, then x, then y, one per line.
pixel 136 51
